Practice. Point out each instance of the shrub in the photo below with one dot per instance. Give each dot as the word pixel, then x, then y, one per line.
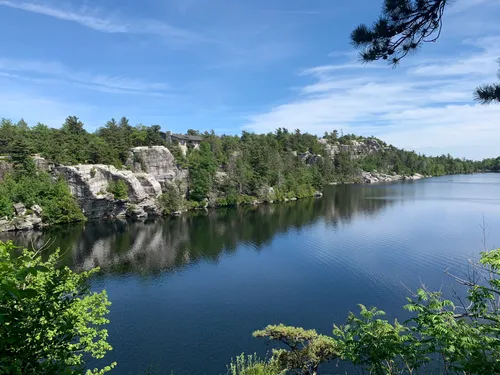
pixel 6 207
pixel 439 337
pixel 252 365
pixel 55 198
pixel 245 199
pixel 194 205
pixel 50 318
pixel 171 200
pixel 119 189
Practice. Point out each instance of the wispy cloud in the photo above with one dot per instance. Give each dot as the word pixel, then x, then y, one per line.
pixel 427 107
pixel 53 72
pixel 100 21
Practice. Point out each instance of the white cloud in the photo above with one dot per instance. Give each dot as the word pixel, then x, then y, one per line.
pixel 427 107
pixel 99 21
pixel 52 72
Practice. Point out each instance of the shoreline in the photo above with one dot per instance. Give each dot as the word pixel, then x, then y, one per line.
pixel 21 223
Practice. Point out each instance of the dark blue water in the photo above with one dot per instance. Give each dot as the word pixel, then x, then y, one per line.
pixel 188 292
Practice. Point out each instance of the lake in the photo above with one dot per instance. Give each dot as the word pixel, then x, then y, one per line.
pixel 188 291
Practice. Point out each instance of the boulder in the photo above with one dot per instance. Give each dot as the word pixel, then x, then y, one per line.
pixel 21 223
pixel 6 226
pixel 150 207
pixel 37 210
pixel 266 194
pixel 20 209
pixel 34 220
pixel 136 212
pixel 368 178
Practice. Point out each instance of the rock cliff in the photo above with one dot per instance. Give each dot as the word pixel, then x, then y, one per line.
pixel 148 171
pixel 156 161
pixel 356 148
pixel 89 184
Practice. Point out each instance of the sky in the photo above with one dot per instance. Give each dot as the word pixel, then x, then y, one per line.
pixel 255 65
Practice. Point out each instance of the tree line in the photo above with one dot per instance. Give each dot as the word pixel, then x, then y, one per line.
pixel 276 166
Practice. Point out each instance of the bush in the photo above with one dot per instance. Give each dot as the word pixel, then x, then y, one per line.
pixel 439 337
pixel 119 189
pixel 6 207
pixel 171 200
pixel 55 198
pixel 245 199
pixel 194 205
pixel 49 316
pixel 252 365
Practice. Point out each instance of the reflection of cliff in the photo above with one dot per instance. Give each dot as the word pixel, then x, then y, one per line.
pixel 164 244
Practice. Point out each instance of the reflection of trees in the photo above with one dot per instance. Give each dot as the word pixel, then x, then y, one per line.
pixel 153 246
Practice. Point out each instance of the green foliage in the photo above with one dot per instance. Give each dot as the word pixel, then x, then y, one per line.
pixel 402 28
pixel 171 200
pixel 179 156
pixel 440 337
pixel 252 365
pixel 49 318
pixel 305 349
pixel 20 154
pixel 376 344
pixel 6 207
pixel 195 205
pixel 202 169
pixel 294 164
pixel 119 189
pixel 54 196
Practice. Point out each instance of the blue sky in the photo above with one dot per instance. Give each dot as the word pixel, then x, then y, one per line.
pixel 233 65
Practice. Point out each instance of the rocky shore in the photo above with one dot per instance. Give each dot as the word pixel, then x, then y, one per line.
pixel 375 177
pixel 24 219
pixel 148 172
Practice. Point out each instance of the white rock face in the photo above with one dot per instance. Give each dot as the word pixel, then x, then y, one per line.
pixel 156 161
pixel 356 149
pixel 88 183
pixel 374 177
pixel 150 168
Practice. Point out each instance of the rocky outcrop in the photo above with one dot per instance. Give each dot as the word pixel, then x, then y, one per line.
pixel 155 167
pixel 157 161
pixel 89 184
pixel 23 220
pixel 309 158
pixel 374 177
pixel 355 149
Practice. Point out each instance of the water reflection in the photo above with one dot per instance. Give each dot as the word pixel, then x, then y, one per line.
pixel 166 244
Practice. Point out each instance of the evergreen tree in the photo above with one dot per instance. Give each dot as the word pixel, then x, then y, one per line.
pixel 403 26
pixel 20 154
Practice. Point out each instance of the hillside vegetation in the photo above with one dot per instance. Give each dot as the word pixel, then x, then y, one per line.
pixel 274 166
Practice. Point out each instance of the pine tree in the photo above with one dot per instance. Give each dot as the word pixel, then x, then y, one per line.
pixel 403 26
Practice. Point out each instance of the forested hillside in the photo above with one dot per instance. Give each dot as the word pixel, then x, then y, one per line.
pixel 286 164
